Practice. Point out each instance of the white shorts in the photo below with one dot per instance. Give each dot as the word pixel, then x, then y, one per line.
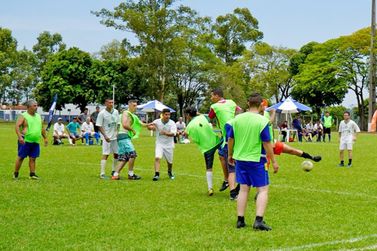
pixel 345 145
pixel 166 152
pixel 109 147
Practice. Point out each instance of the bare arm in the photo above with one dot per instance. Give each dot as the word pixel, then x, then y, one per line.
pixel 44 135
pixel 230 151
pixel 20 122
pixel 267 145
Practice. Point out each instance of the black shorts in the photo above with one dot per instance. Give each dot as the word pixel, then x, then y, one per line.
pixel 327 130
pixel 210 155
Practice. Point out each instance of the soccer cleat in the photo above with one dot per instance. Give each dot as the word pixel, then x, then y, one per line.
pixel 224 186
pixel 241 224
pixel 115 177
pixel 102 176
pixel 261 226
pixel 171 176
pixel 233 194
pixel 34 177
pixel 210 192
pixel 317 158
pixel 134 177
pixel 349 165
pixel 341 165
pixel 156 178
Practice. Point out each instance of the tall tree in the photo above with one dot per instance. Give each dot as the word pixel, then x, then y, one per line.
pixel 67 74
pixel 8 55
pixel 232 33
pixel 153 22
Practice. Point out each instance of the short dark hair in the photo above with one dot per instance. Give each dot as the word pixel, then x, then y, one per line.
pixel 255 100
pixel 191 111
pixel 108 98
pixel 348 113
pixel 132 101
pixel 218 91
pixel 165 110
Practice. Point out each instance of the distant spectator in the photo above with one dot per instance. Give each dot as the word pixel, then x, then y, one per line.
pixel 296 123
pixel 283 130
pixel 59 132
pixel 318 130
pixel 74 130
pixel 83 116
pixel 87 129
pixel 94 116
pixel 327 124
pixel 181 126
pixel 308 134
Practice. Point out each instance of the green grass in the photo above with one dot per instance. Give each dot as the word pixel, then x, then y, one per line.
pixel 71 208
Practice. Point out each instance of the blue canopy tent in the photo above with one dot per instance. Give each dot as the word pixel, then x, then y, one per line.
pixel 289 105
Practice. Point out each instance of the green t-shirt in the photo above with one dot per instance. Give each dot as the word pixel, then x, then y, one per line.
pixel 200 131
pixel 135 124
pixel 327 121
pixel 247 128
pixel 224 111
pixel 34 127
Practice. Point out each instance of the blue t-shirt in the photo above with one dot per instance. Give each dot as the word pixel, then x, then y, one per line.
pixel 264 135
pixel 73 126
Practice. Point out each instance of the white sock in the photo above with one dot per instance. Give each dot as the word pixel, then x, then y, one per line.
pixel 115 163
pixel 116 173
pixel 103 165
pixel 131 173
pixel 209 179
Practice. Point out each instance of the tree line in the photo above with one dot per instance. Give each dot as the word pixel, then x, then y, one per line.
pixel 179 56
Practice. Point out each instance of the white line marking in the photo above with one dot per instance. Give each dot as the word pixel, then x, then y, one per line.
pixel 330 243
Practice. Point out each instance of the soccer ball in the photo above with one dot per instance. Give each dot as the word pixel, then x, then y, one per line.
pixel 307 165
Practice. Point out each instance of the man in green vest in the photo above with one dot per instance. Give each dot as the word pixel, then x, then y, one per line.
pixel 130 126
pixel 248 144
pixel 327 124
pixel 224 110
pixel 200 130
pixel 29 130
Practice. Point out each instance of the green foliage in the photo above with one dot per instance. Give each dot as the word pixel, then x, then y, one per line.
pixel 71 208
pixel 8 56
pixel 67 74
pixel 233 31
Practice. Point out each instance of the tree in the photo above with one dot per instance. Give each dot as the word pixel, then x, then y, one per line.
pixel 47 45
pixel 318 82
pixel 233 32
pixel 153 22
pixel 269 74
pixel 67 74
pixel 8 55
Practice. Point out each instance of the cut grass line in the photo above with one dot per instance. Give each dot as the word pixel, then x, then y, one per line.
pixel 373 247
pixel 331 243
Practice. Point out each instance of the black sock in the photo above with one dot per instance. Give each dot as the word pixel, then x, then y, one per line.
pixel 32 174
pixel 241 218
pixel 15 174
pixel 349 161
pixel 169 172
pixel 156 173
pixel 259 218
pixel 306 155
pixel 342 162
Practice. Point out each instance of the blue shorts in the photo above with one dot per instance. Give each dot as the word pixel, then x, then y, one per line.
pixel 223 152
pixel 125 145
pixel 28 149
pixel 251 173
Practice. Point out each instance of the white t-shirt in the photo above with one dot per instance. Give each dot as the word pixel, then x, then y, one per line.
pixel 170 126
pixel 318 127
pixel 108 121
pixel 347 130
pixel 180 126
pixel 85 127
pixel 59 128
pixel 309 127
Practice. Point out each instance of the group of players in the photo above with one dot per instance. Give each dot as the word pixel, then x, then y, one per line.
pixel 246 146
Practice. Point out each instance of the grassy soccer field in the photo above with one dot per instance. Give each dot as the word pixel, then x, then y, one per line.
pixel 328 208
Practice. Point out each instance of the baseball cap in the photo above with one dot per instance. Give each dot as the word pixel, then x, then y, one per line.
pixel 60 118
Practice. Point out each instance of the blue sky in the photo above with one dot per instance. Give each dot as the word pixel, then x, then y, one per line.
pixel 288 23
